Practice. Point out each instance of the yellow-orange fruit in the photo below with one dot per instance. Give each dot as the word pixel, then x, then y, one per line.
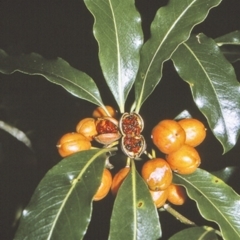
pixel 105 185
pixel 185 160
pixel 157 174
pixel 100 112
pixel 168 136
pixel 118 179
pixel 87 127
pixel 195 131
pixel 159 197
pixel 176 194
pixel 71 143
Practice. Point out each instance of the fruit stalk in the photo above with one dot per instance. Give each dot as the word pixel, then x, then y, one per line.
pixel 178 215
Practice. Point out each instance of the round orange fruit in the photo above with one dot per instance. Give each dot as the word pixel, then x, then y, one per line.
pixel 159 197
pixel 157 174
pixel 118 179
pixel 195 131
pixel 185 160
pixel 168 136
pixel 100 112
pixel 87 127
pixel 71 143
pixel 176 194
pixel 105 185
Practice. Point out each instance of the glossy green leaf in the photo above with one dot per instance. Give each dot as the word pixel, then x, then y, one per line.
pixel 171 26
pixel 61 205
pixel 230 45
pixel 195 233
pixel 215 200
pixel 232 38
pixel 56 71
pixel 214 86
pixel 118 31
pixel 183 114
pixel 134 214
pixel 226 173
pixel 231 52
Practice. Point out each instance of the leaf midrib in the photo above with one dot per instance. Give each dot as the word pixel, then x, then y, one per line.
pixel 118 56
pixel 73 184
pixel 197 189
pixel 158 49
pixel 134 194
pixel 57 76
pixel 209 80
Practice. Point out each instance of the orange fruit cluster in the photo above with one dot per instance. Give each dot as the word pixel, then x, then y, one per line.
pixel 177 139
pixel 157 173
pixel 101 128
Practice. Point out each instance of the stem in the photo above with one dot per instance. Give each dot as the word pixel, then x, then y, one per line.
pixel 132 109
pixel 178 215
pixel 128 162
pixel 185 220
pixel 209 229
pixel 153 153
pixel 148 154
pixel 111 144
pixel 151 156
pixel 105 110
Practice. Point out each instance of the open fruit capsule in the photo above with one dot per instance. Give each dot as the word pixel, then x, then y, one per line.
pixel 133 143
pixel 107 129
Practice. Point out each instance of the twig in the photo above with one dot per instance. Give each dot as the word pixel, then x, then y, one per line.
pixel 178 215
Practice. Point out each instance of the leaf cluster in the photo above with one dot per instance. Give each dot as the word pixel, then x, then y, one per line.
pixel 61 206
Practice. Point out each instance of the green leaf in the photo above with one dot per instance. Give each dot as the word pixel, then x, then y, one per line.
pixel 183 114
pixel 134 214
pixel 56 71
pixel 231 52
pixel 61 205
pixel 215 200
pixel 214 86
pixel 232 38
pixel 171 26
pixel 117 29
pixel 230 45
pixel 195 233
pixel 226 173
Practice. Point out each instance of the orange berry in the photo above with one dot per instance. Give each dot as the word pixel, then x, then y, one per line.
pixel 195 131
pixel 185 160
pixel 159 197
pixel 100 112
pixel 157 174
pixel 87 127
pixel 118 179
pixel 176 194
pixel 105 185
pixel 168 136
pixel 71 143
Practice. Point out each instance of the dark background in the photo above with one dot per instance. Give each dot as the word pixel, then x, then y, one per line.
pixel 45 111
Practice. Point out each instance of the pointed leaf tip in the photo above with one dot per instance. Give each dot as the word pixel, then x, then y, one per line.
pixel 171 27
pixel 213 84
pixel 56 71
